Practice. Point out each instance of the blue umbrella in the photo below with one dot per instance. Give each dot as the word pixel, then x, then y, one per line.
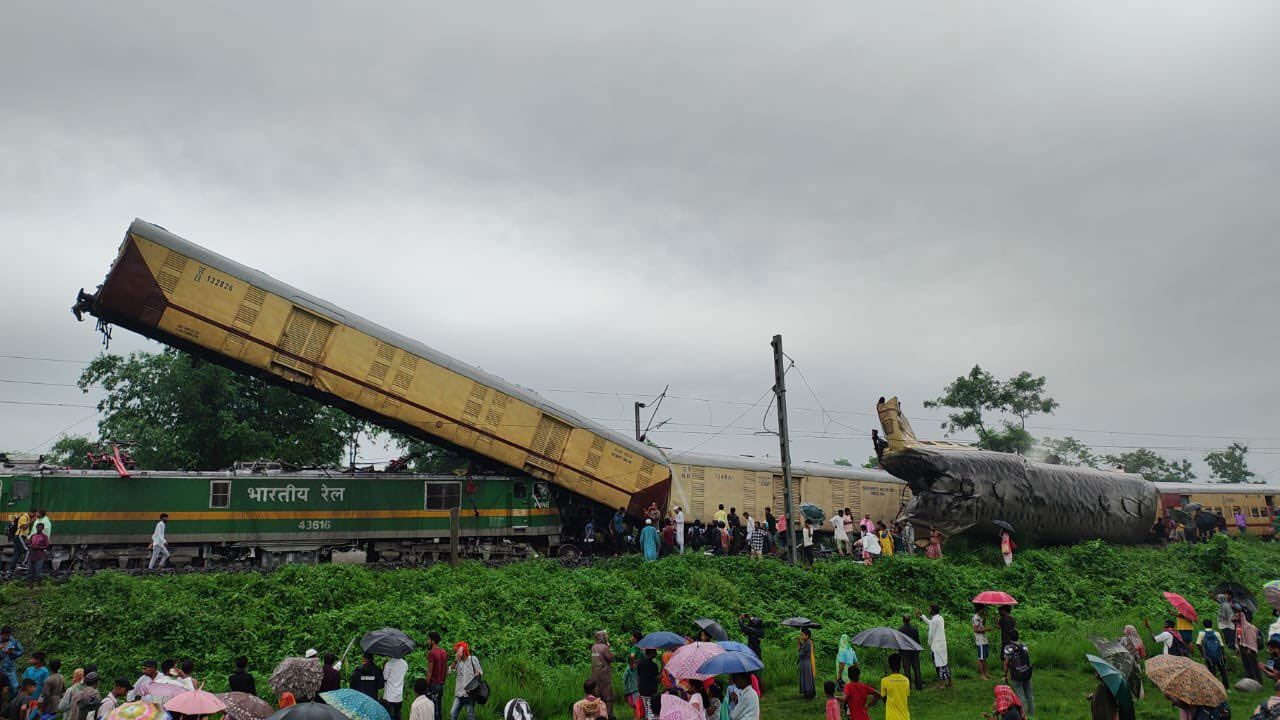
pixel 355 704
pixel 731 662
pixel 661 641
pixel 735 647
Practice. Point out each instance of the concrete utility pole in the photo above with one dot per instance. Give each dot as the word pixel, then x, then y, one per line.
pixel 780 392
pixel 639 406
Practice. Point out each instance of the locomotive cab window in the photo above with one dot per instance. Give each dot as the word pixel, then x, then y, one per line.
pixel 442 495
pixel 21 489
pixel 219 493
pixel 519 491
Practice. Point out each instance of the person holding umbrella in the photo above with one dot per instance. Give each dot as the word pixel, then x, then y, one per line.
pixel 806 666
pixel 979 622
pixel 367 678
pixel 911 658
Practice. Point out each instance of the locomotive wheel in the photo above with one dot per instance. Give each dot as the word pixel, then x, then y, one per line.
pixel 569 554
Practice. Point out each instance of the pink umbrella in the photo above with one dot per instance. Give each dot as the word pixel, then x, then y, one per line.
pixel 674 708
pixel 685 661
pixel 162 691
pixel 1181 605
pixel 195 702
pixel 994 597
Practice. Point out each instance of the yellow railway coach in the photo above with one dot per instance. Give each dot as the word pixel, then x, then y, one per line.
pixel 179 293
pixel 701 483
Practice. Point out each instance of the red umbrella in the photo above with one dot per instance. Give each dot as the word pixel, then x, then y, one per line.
pixel 994 597
pixel 1180 604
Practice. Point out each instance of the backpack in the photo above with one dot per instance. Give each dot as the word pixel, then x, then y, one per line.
pixel 517 709
pixel 1019 662
pixel 89 707
pixel 1212 646
pixel 11 531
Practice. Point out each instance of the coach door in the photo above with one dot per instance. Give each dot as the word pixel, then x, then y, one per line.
pixel 518 504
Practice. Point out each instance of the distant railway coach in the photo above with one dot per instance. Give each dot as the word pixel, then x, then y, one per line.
pixel 1256 502
pixel 702 482
pixel 102 519
pixel 179 293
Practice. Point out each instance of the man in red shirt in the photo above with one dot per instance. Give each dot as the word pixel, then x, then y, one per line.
pixel 856 694
pixel 437 668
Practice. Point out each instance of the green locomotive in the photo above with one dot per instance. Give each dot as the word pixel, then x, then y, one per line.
pixel 263 516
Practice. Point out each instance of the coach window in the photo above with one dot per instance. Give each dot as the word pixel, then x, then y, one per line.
pixel 219 493
pixel 519 491
pixel 443 495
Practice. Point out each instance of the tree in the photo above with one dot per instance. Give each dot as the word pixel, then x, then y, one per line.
pixel 872 462
pixel 842 462
pixel 184 413
pixel 971 395
pixel 1229 465
pixel 71 451
pixel 1152 466
pixel 1069 451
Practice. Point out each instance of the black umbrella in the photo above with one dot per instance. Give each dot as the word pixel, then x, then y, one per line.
pixel 1206 520
pixel 1192 507
pixel 883 637
pixel 388 641
pixel 800 622
pixel 1239 594
pixel 308 711
pixel 712 628
pixel 1002 525
pixel 1180 516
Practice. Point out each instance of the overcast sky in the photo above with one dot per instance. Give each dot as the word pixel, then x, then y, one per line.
pixel 613 197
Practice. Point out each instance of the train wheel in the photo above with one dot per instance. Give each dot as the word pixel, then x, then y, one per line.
pixel 569 555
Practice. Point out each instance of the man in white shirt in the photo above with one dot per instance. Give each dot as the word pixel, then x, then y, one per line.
pixel 393 673
pixel 1165 638
pixel 680 528
pixel 938 644
pixel 422 708
pixel 159 546
pixel 139 690
pixel 806 546
pixel 837 529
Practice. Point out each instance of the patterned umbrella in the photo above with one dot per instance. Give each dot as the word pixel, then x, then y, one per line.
pixel 243 706
pixel 355 704
pixel 138 711
pixel 300 676
pixel 684 662
pixel 676 708
pixel 1181 605
pixel 1187 680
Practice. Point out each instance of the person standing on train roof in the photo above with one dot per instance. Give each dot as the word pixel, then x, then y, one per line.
pixel 680 529
pixel 159 546
pixel 837 530
pixel 649 541
pixel 720 515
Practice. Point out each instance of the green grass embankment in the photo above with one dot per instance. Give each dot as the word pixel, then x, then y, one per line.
pixel 531 624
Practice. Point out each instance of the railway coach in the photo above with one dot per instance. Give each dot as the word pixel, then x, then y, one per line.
pixel 168 289
pixel 267 517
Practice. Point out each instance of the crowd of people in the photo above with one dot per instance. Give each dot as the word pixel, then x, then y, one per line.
pixel 729 532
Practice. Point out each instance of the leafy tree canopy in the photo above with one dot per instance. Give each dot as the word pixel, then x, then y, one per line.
pixel 1152 466
pixel 1069 451
pixel 184 413
pixel 1229 465
pixel 71 451
pixel 979 392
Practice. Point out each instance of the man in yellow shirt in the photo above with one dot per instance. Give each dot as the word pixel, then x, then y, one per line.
pixel 895 687
pixel 22 534
pixel 721 516
pixel 1185 628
